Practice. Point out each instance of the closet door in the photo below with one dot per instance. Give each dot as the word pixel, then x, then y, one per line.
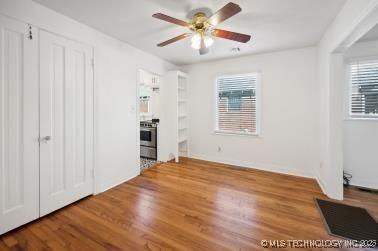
pixel 19 128
pixel 66 107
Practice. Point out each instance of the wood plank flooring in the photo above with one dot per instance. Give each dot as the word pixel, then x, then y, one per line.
pixel 191 205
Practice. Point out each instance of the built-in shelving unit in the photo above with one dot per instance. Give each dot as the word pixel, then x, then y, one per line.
pixel 177 84
pixel 182 127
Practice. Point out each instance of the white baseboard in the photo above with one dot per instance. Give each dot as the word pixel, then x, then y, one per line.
pixel 321 183
pixel 263 167
pixel 118 183
pixel 363 183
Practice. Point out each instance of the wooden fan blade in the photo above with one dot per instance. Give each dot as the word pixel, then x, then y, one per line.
pixel 175 39
pixel 239 37
pixel 203 50
pixel 224 13
pixel 170 19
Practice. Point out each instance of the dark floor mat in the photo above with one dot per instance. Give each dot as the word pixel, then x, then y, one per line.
pixel 348 222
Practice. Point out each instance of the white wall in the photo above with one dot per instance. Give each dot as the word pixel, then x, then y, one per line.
pixel 347 26
pixel 116 75
pixel 289 111
pixel 360 136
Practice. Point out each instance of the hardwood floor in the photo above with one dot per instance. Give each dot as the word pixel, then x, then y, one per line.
pixel 192 205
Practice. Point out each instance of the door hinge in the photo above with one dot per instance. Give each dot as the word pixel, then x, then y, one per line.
pixel 30 34
pixel 92 61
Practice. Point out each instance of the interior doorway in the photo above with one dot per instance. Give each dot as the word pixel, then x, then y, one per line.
pixel 339 104
pixel 149 116
pixel 360 125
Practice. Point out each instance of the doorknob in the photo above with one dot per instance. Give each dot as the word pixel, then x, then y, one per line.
pixel 45 139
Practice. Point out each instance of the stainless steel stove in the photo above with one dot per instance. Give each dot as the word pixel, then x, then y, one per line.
pixel 148 140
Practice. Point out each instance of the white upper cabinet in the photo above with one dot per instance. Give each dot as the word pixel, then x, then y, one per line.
pixel 155 80
pixel 149 79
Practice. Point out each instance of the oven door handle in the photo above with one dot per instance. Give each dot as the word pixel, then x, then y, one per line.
pixel 147 129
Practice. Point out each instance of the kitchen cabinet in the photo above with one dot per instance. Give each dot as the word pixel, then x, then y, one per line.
pixel 149 79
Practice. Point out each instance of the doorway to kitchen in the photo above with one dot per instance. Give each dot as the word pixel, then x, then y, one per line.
pixel 150 104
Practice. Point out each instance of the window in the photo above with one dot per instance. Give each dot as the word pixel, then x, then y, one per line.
pixel 237 104
pixel 144 105
pixel 363 95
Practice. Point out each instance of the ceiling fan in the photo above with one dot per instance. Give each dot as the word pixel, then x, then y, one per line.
pixel 203 28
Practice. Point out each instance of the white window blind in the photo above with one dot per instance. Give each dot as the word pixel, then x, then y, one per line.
pixel 237 104
pixel 364 89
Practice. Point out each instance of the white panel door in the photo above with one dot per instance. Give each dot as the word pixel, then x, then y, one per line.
pixel 66 122
pixel 19 125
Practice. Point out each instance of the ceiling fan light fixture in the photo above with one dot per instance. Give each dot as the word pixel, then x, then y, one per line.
pixel 196 41
pixel 208 41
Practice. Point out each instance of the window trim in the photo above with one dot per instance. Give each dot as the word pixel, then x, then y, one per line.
pixel 258 105
pixel 350 115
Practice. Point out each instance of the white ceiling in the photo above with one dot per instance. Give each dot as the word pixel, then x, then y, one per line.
pixel 273 24
pixel 371 35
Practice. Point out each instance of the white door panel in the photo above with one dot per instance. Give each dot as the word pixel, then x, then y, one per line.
pixel 66 103
pixel 19 125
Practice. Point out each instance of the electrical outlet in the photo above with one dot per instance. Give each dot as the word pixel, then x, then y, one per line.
pixel 219 149
pixel 321 165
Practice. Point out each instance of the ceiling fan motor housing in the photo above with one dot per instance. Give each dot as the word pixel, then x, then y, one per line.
pixel 199 23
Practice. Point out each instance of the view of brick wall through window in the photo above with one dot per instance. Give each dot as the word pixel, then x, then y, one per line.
pixel 233 120
pixel 237 104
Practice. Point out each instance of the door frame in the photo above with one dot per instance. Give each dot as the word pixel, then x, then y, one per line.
pixel 137 111
pixel 334 182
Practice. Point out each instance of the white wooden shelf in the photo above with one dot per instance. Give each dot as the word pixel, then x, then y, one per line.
pixel 177 110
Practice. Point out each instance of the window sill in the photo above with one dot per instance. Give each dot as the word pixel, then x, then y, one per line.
pixel 257 135
pixel 373 119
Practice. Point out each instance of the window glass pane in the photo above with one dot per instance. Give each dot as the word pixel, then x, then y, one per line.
pixel 236 104
pixel 364 89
